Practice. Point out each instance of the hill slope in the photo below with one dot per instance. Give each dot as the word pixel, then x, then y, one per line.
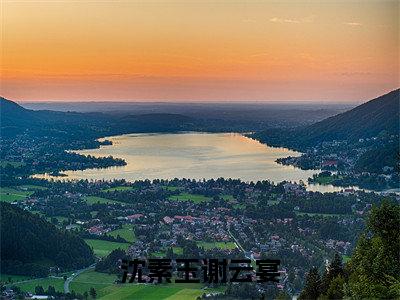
pixel 363 121
pixel 27 241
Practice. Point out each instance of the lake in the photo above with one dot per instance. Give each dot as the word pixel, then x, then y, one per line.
pixel 194 156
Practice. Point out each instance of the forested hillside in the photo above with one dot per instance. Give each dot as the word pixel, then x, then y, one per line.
pixel 373 272
pixel 364 121
pixel 362 144
pixel 30 245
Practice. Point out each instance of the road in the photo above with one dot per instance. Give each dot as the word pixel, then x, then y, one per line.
pixel 72 277
pixel 240 246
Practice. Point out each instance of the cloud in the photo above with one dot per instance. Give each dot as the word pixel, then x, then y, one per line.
pixel 279 20
pixel 352 23
pixel 293 21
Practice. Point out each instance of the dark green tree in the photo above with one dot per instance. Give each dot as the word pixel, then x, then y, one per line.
pixel 93 293
pixel 312 288
pixel 51 291
pixel 283 296
pixel 39 290
pixel 335 289
pixel 374 266
pixel 334 270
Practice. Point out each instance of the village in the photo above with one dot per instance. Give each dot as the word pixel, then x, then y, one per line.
pixel 222 218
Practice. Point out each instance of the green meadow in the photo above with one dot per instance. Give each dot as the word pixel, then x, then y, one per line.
pixel 31 187
pixel 106 288
pixel 125 232
pixel 219 245
pixel 29 286
pixel 227 197
pixel 103 248
pixel 196 198
pixel 84 281
pixel 95 200
pixel 11 194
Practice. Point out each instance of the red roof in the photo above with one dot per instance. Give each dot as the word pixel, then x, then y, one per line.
pixel 187 218
pixel 135 216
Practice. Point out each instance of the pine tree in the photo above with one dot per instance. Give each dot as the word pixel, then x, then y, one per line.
pixel 39 290
pixel 375 264
pixel 93 293
pixel 334 270
pixel 335 289
pixel 312 289
pixel 51 291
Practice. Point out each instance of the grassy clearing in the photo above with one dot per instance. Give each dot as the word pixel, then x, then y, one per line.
pixel 84 281
pixel 29 286
pixel 125 232
pixel 160 254
pixel 196 198
pixel 175 291
pixel 227 197
pixel 345 258
pixel 177 250
pixel 11 195
pixel 103 248
pixel 96 200
pixel 324 179
pixel 14 278
pixel 219 245
pixel 119 189
pixel 106 289
pixel 31 187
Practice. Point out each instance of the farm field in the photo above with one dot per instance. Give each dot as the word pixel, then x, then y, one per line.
pixel 196 198
pixel 227 197
pixel 29 286
pixel 31 187
pixel 11 195
pixel 220 245
pixel 173 291
pixel 84 281
pixel 125 232
pixel 171 188
pixel 107 289
pixel 95 200
pixel 103 248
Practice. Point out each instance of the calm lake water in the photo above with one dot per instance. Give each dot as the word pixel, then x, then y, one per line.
pixel 194 156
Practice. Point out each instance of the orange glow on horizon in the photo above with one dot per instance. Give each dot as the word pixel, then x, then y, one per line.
pixel 192 50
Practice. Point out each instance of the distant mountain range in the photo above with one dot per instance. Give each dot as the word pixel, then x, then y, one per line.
pixel 16 119
pixel 364 121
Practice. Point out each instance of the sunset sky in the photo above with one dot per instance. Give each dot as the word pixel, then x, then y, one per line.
pixel 198 50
